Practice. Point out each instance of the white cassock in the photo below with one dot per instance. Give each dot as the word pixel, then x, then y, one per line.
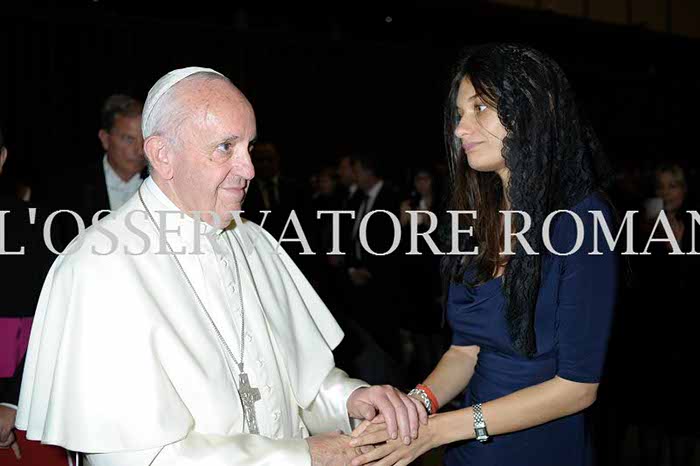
pixel 124 365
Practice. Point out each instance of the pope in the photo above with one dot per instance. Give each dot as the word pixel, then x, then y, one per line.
pixel 196 341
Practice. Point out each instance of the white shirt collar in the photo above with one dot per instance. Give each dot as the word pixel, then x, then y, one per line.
pixel 118 190
pixel 372 194
pixel 375 189
pixel 115 181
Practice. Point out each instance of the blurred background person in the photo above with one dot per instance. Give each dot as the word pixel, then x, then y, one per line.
pixel 349 198
pixel 666 326
pixel 272 190
pixel 357 352
pixel 371 275
pixel 123 166
pixel 347 181
pixel 328 197
pixel 24 261
pixel 423 339
pixel 109 181
pixel 116 176
pixel 372 280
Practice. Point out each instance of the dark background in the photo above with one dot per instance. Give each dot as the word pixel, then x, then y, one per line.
pixel 323 80
pixel 327 80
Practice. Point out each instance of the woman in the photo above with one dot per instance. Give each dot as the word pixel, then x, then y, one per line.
pixel 673 329
pixel 671 187
pixel 529 331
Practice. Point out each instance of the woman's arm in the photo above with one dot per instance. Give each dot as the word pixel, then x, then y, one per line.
pixel 449 378
pixel 519 410
pixel 453 372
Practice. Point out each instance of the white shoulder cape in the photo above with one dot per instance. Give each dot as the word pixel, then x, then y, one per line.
pixel 129 320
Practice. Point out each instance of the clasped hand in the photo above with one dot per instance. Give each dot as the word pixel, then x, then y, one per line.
pixel 394 418
pixel 388 451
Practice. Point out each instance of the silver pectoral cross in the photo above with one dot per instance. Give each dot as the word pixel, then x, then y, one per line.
pixel 249 395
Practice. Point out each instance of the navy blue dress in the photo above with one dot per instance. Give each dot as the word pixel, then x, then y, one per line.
pixel 572 324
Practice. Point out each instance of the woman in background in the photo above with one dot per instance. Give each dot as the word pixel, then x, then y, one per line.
pixel 666 319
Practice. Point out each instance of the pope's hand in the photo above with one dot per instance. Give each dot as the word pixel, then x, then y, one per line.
pixel 401 413
pixel 333 449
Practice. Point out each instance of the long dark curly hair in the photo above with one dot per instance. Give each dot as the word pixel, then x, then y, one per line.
pixel 554 159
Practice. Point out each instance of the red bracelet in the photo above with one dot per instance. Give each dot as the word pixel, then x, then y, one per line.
pixel 433 399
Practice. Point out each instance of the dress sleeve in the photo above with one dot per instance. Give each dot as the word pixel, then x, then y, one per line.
pixel 586 299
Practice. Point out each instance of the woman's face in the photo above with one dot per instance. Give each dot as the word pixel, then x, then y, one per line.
pixel 671 189
pixel 480 132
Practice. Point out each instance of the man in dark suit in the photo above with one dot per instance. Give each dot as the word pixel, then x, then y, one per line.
pixel 372 277
pixel 350 197
pixel 111 180
pixel 348 184
pixel 375 194
pixel 271 190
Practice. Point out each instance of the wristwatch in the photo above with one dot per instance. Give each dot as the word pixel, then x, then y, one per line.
pixel 482 434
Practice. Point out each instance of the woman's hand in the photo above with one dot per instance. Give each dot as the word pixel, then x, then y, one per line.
pixel 370 432
pixel 388 452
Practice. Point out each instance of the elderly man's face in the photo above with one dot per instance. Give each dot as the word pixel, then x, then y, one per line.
pixel 212 165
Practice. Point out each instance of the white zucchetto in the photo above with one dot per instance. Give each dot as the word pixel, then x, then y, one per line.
pixel 163 85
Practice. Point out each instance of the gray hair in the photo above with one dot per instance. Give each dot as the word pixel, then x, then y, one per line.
pixel 118 104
